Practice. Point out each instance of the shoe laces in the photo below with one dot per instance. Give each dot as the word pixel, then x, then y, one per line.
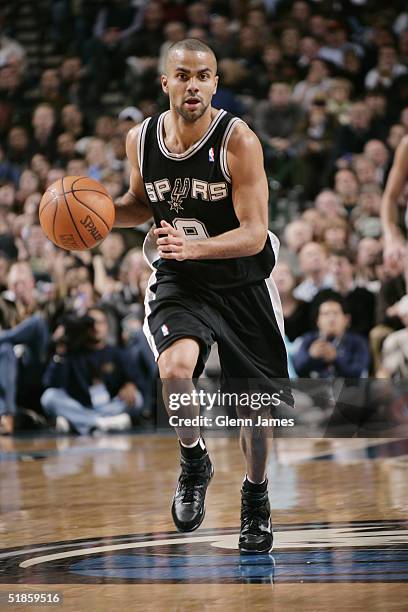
pixel 253 512
pixel 191 478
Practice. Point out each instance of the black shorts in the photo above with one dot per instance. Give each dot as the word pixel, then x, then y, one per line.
pixel 246 323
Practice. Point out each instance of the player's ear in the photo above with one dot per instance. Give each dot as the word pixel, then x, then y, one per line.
pixel 164 85
pixel 216 85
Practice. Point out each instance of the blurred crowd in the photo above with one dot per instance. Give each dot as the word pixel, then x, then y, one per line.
pixel 325 87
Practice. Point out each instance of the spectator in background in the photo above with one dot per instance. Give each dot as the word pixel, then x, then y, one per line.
pixel 115 24
pixel 296 312
pixel 329 204
pixel 44 130
pixel 112 250
pixel 233 76
pixel 278 122
pixel 358 301
pixel 366 215
pixel 88 383
pixel 391 289
pixel 338 99
pixel 222 39
pixel 65 149
pixel 369 260
pixel 313 265
pixel 19 149
pixel 315 148
pixel 50 89
pixel 377 153
pixel 387 70
pixel 72 121
pixel 297 234
pixel 174 31
pixel 347 188
pixel 365 170
pixel 352 137
pixel 332 351
pixel 395 135
pixel 96 157
pixel 73 77
pixel 336 234
pixel 394 352
pixel 316 82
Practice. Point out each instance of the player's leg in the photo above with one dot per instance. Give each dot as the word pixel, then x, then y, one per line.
pixel 176 366
pixel 251 347
pixel 179 331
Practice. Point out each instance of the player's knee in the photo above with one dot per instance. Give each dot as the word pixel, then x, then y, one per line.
pixel 175 367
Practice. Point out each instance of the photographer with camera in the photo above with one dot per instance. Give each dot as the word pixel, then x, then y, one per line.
pixel 89 386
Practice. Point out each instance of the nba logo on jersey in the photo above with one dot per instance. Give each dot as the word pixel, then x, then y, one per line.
pixel 165 330
pixel 211 154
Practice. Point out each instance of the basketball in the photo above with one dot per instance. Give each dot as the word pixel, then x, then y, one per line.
pixel 76 213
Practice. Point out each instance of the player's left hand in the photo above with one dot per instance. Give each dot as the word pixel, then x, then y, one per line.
pixel 171 243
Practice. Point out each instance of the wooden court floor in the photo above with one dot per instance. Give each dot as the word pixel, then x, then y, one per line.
pixel 89 518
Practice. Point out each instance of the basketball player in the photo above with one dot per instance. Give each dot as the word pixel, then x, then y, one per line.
pixel 394 242
pixel 199 171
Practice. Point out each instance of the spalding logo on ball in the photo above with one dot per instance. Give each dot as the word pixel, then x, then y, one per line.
pixel 76 213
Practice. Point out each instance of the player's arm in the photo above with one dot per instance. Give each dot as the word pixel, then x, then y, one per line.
pixel 132 208
pixel 250 198
pixel 395 183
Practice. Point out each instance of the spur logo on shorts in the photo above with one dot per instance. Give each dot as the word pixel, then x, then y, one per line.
pixel 185 188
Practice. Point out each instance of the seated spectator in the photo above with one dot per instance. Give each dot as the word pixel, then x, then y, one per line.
pixel 315 147
pixel 332 351
pixel 387 69
pixel 369 260
pixel 313 265
pixel 365 170
pixel 88 383
pixel 338 99
pixel 297 234
pixel 317 221
pixel 336 234
pixel 394 353
pixel 347 188
pixel 352 137
pixel 140 359
pixel 316 82
pixel 19 149
pixel 295 312
pixel 391 290
pixel 378 154
pixel 112 250
pixel 278 122
pixel 395 135
pixel 329 204
pixel 366 215
pixel 44 123
pixel 358 301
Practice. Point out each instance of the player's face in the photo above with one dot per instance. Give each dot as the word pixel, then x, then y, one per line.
pixel 190 82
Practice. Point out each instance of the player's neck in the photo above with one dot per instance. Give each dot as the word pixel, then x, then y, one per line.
pixel 180 135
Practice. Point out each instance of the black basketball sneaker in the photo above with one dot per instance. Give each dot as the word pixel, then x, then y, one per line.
pixel 256 534
pixel 188 508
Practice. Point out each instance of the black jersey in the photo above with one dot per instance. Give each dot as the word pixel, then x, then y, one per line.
pixel 193 192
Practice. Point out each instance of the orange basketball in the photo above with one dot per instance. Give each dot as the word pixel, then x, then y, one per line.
pixel 76 213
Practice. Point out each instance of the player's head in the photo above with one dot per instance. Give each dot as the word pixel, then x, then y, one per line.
pixel 190 78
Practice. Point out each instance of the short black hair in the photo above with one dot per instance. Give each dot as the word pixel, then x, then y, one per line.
pixel 189 44
pixel 327 295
